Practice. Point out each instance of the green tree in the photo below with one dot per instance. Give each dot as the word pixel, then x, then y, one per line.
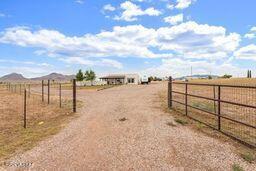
pixel 80 75
pixel 90 76
pixel 226 76
pixel 151 78
pixel 249 74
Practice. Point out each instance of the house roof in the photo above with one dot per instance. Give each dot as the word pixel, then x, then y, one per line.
pixel 113 77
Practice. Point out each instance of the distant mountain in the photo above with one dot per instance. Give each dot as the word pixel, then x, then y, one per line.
pixel 13 77
pixel 197 76
pixel 55 76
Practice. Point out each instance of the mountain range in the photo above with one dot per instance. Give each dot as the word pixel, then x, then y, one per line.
pixel 197 76
pixel 15 77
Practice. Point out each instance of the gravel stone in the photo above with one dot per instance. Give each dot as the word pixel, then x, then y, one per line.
pixel 97 140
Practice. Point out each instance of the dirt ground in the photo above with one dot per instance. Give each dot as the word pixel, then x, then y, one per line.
pixel 125 128
pixel 42 120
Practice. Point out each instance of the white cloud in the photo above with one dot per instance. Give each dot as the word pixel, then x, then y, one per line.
pixel 193 40
pixel 111 63
pixel 28 68
pixel 174 19
pixel 253 29
pixel 182 4
pixel 121 42
pixel 109 7
pixel 170 6
pixel 102 62
pixel 131 11
pixel 251 34
pixel 139 0
pixel 79 1
pixel 189 40
pixel 178 67
pixel 247 52
pixel 2 15
pixel 16 62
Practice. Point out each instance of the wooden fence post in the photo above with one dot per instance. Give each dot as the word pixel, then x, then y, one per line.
pixel 74 95
pixel 42 90
pixel 186 98
pixel 219 108
pixel 20 89
pixel 25 108
pixel 60 94
pixel 170 93
pixel 29 91
pixel 48 92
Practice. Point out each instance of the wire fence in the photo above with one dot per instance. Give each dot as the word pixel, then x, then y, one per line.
pixel 28 104
pixel 230 109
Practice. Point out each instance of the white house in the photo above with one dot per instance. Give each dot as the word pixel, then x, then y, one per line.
pixel 121 79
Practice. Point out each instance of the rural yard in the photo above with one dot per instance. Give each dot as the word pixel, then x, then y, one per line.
pixel 127 128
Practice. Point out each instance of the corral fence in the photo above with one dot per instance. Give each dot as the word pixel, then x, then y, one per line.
pixel 230 109
pixel 36 101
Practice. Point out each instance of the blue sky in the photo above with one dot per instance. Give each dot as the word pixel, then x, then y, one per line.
pixel 160 37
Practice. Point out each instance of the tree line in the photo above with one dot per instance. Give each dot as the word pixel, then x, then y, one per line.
pixel 88 75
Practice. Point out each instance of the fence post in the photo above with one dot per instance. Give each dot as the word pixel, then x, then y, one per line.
pixel 20 89
pixel 186 98
pixel 42 90
pixel 25 108
pixel 219 108
pixel 48 92
pixel 170 93
pixel 29 91
pixel 60 94
pixel 74 95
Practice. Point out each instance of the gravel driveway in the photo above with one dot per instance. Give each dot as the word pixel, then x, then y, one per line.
pixel 98 140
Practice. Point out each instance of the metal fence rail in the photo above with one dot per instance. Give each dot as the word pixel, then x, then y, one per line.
pixel 230 109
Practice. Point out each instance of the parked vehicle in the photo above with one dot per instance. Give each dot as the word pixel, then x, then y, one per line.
pixel 144 79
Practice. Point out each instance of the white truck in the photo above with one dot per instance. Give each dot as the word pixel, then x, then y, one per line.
pixel 144 79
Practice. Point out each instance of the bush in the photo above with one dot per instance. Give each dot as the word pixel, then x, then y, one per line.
pixel 182 122
pixel 236 167
pixel 248 157
pixel 226 76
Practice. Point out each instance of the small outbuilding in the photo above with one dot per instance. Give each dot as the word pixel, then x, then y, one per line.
pixel 115 79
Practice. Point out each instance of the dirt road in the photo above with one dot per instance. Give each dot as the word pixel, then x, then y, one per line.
pixel 98 140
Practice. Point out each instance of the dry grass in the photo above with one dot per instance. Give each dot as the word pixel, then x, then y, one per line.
pixel 231 81
pixel 236 167
pixel 42 121
pixel 245 96
pixel 248 154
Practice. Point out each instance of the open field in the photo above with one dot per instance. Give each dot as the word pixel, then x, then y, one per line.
pixel 244 96
pixel 42 120
pixel 231 81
